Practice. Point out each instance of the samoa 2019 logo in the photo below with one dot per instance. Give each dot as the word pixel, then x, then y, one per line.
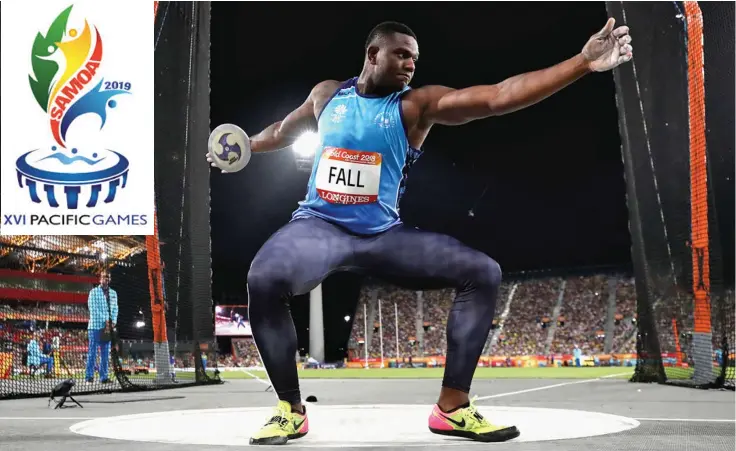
pixel 67 83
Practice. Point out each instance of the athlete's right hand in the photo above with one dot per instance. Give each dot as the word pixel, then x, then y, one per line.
pixel 212 163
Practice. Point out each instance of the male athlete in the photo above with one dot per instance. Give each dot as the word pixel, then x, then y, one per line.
pixel 371 128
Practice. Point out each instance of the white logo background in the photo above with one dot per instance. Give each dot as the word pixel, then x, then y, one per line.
pixel 127 36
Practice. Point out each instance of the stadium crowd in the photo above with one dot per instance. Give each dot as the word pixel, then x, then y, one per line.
pixel 583 315
pixel 625 321
pixel 45 311
pixel 525 330
pixel 245 353
pixel 539 316
pixel 545 316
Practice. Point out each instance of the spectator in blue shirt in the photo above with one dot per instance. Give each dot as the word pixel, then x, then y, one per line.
pixel 577 354
pixel 36 358
pixel 100 317
pixel 719 356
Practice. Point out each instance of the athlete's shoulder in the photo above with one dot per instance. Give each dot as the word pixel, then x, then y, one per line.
pixel 426 95
pixel 321 95
pixel 416 102
pixel 325 89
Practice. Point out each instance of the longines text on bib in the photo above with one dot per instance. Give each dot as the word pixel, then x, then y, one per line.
pixel 348 177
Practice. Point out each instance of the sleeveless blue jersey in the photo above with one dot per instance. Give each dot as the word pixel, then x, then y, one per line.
pixel 362 162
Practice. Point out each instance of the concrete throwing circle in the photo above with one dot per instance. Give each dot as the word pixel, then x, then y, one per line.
pixel 346 426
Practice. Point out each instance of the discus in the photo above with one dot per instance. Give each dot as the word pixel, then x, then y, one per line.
pixel 228 148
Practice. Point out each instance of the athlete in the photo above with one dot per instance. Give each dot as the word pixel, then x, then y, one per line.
pixel 241 321
pixel 370 129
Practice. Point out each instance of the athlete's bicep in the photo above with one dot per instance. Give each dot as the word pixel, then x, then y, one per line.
pixel 300 119
pixel 285 132
pixel 448 106
pixel 305 116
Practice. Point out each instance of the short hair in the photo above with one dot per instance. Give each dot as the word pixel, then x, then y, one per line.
pixel 385 29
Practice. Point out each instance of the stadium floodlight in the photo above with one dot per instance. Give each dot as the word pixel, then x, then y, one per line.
pixel 347 318
pixel 306 144
pixel 304 149
pixel 139 324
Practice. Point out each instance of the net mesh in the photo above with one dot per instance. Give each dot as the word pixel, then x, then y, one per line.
pixel 685 307
pixel 53 313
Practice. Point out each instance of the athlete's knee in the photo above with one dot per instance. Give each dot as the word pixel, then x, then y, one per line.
pixel 486 272
pixel 265 281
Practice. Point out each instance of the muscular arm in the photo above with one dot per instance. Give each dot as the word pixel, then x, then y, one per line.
pixel 604 51
pixel 283 133
pixel 449 106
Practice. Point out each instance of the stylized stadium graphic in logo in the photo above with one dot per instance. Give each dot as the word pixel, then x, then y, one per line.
pixel 66 85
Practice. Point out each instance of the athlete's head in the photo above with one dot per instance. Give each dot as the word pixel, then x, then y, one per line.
pixel 391 52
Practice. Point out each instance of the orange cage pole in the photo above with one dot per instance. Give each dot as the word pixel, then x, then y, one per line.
pixel 698 169
pixel 156 285
pixel 702 345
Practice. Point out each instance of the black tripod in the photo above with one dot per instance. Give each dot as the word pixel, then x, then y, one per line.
pixel 63 390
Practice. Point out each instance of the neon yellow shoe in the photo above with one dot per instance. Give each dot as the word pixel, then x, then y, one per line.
pixel 284 425
pixel 467 422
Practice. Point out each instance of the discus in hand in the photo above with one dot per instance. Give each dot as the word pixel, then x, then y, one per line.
pixel 228 148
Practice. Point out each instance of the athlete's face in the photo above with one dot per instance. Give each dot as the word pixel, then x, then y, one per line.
pixel 394 59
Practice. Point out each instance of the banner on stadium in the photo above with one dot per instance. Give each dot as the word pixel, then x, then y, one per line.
pixel 522 361
pixel 77 100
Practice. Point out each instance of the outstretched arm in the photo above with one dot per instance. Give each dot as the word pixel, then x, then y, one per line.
pixel 605 50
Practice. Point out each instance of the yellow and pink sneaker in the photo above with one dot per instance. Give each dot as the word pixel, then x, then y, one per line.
pixel 467 422
pixel 284 425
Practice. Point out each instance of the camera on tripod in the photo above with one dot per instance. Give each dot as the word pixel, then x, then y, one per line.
pixel 63 390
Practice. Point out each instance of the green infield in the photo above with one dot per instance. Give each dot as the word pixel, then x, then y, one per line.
pixel 436 373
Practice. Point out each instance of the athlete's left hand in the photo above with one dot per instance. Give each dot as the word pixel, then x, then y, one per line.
pixel 608 48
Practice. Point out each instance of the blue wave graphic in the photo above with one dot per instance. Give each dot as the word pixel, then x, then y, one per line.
pixel 94 101
pixel 25 168
pixel 67 160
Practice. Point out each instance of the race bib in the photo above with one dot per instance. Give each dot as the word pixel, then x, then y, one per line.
pixel 348 177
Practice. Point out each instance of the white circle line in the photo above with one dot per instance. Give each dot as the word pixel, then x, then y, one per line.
pixel 606 424
pixel 48 418
pixel 688 420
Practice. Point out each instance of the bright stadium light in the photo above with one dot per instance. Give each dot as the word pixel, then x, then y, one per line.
pixel 139 324
pixel 347 318
pixel 306 145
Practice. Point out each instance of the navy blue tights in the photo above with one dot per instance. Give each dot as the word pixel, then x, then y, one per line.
pixel 304 252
